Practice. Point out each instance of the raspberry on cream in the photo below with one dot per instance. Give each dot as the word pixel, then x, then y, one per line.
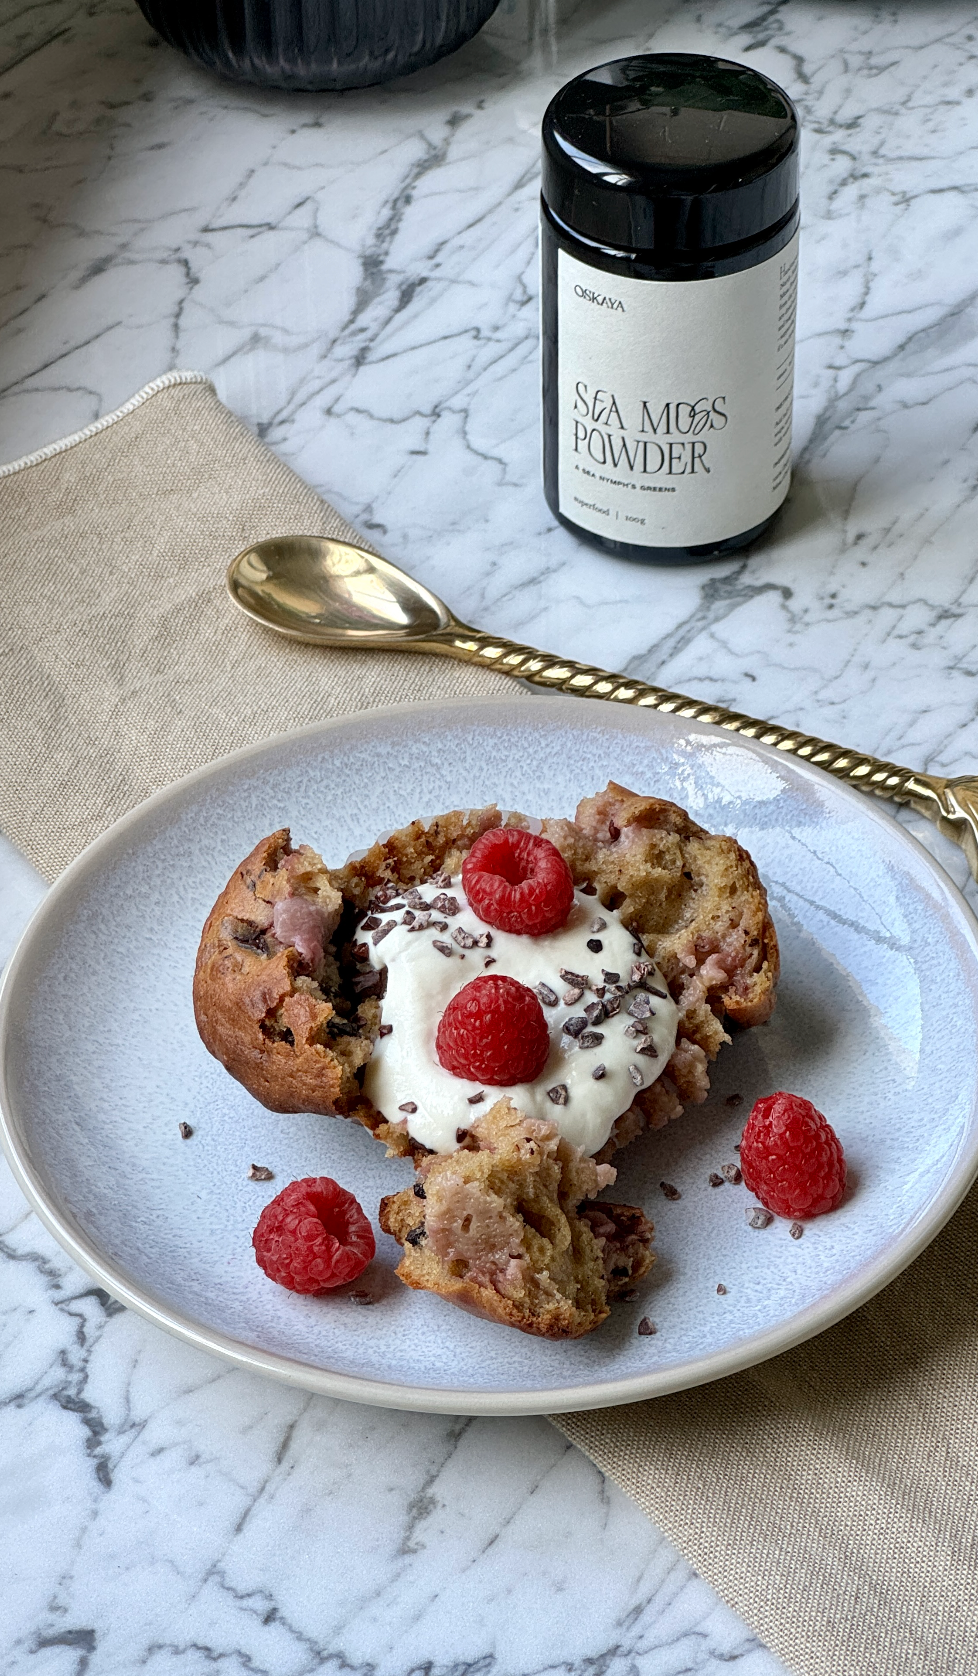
pixel 493 1031
pixel 518 881
pixel 611 1021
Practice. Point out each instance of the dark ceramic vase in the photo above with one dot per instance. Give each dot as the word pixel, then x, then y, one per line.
pixel 316 44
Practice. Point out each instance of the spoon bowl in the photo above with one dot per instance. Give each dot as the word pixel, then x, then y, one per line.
pixel 331 593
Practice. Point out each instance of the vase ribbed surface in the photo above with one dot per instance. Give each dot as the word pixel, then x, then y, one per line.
pixel 316 44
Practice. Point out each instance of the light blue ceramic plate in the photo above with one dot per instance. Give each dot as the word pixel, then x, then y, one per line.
pixel 876 1023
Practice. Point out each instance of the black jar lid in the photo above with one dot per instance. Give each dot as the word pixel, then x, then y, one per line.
pixel 672 153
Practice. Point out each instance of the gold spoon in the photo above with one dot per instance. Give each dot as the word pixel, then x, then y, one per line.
pixel 331 593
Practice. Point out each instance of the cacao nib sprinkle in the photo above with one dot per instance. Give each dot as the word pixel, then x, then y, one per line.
pixel 636 1076
pixel 422 923
pixel 545 994
pixel 382 932
pixel 758 1218
pixel 587 889
pixel 394 907
pixel 476 1099
pixel 715 1179
pixel 409 1107
pixel 611 977
pixel 731 1173
pixel 463 938
pixel 595 945
pixel 414 898
pixel 576 980
pixel 441 881
pixel 640 1006
pixel 575 1025
pixel 636 1028
pixel 640 971
pixel 461 1135
pixel 599 991
pixel 370 923
pixel 638 948
pixel 558 1094
pixel 572 996
pixel 591 1039
pixel 409 917
pixel 361 951
pixel 385 1030
pixel 362 1298
pixel 721 1290
pixel 260 1172
pixel 598 1072
pixel 446 905
pixel 419 1192
pixel 612 1005
pixel 185 1131
pixel 599 924
pixel 416 1235
pixel 734 1100
pixel 485 941
pixel 659 994
pixel 440 924
pixel 594 1013
pixel 646 1327
pixel 649 1049
pixel 669 1191
pixel 490 960
pixel 796 1230
pixel 443 948
pixel 363 982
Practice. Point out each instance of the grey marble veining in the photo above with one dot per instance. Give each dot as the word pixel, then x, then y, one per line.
pixel 358 274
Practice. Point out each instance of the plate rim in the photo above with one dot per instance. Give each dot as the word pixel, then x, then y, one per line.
pixel 814 1319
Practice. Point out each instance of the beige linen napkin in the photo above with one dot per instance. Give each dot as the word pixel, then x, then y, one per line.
pixel 831 1496
pixel 123 664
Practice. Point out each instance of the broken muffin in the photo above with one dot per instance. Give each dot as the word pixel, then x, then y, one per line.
pixel 286 997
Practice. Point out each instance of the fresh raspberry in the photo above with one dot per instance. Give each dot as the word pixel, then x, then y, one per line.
pixel 313 1236
pixel 518 882
pixel 792 1158
pixel 494 1031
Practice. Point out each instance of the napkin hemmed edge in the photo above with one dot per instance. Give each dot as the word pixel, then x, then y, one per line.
pixel 164 382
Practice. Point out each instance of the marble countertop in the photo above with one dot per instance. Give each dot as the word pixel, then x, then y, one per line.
pixel 358 275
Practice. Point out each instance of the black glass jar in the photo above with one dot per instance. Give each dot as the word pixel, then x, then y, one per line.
pixel 316 44
pixel 669 262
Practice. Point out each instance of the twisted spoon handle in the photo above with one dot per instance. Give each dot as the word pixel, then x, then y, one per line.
pixel 952 804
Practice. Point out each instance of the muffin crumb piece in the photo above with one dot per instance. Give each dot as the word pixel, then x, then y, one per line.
pixel 510 1229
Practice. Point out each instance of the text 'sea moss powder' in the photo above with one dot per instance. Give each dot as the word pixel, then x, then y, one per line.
pixel 669 276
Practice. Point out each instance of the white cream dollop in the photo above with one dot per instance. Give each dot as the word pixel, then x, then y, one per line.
pixel 404 1070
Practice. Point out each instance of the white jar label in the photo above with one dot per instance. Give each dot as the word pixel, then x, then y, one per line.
pixel 675 401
